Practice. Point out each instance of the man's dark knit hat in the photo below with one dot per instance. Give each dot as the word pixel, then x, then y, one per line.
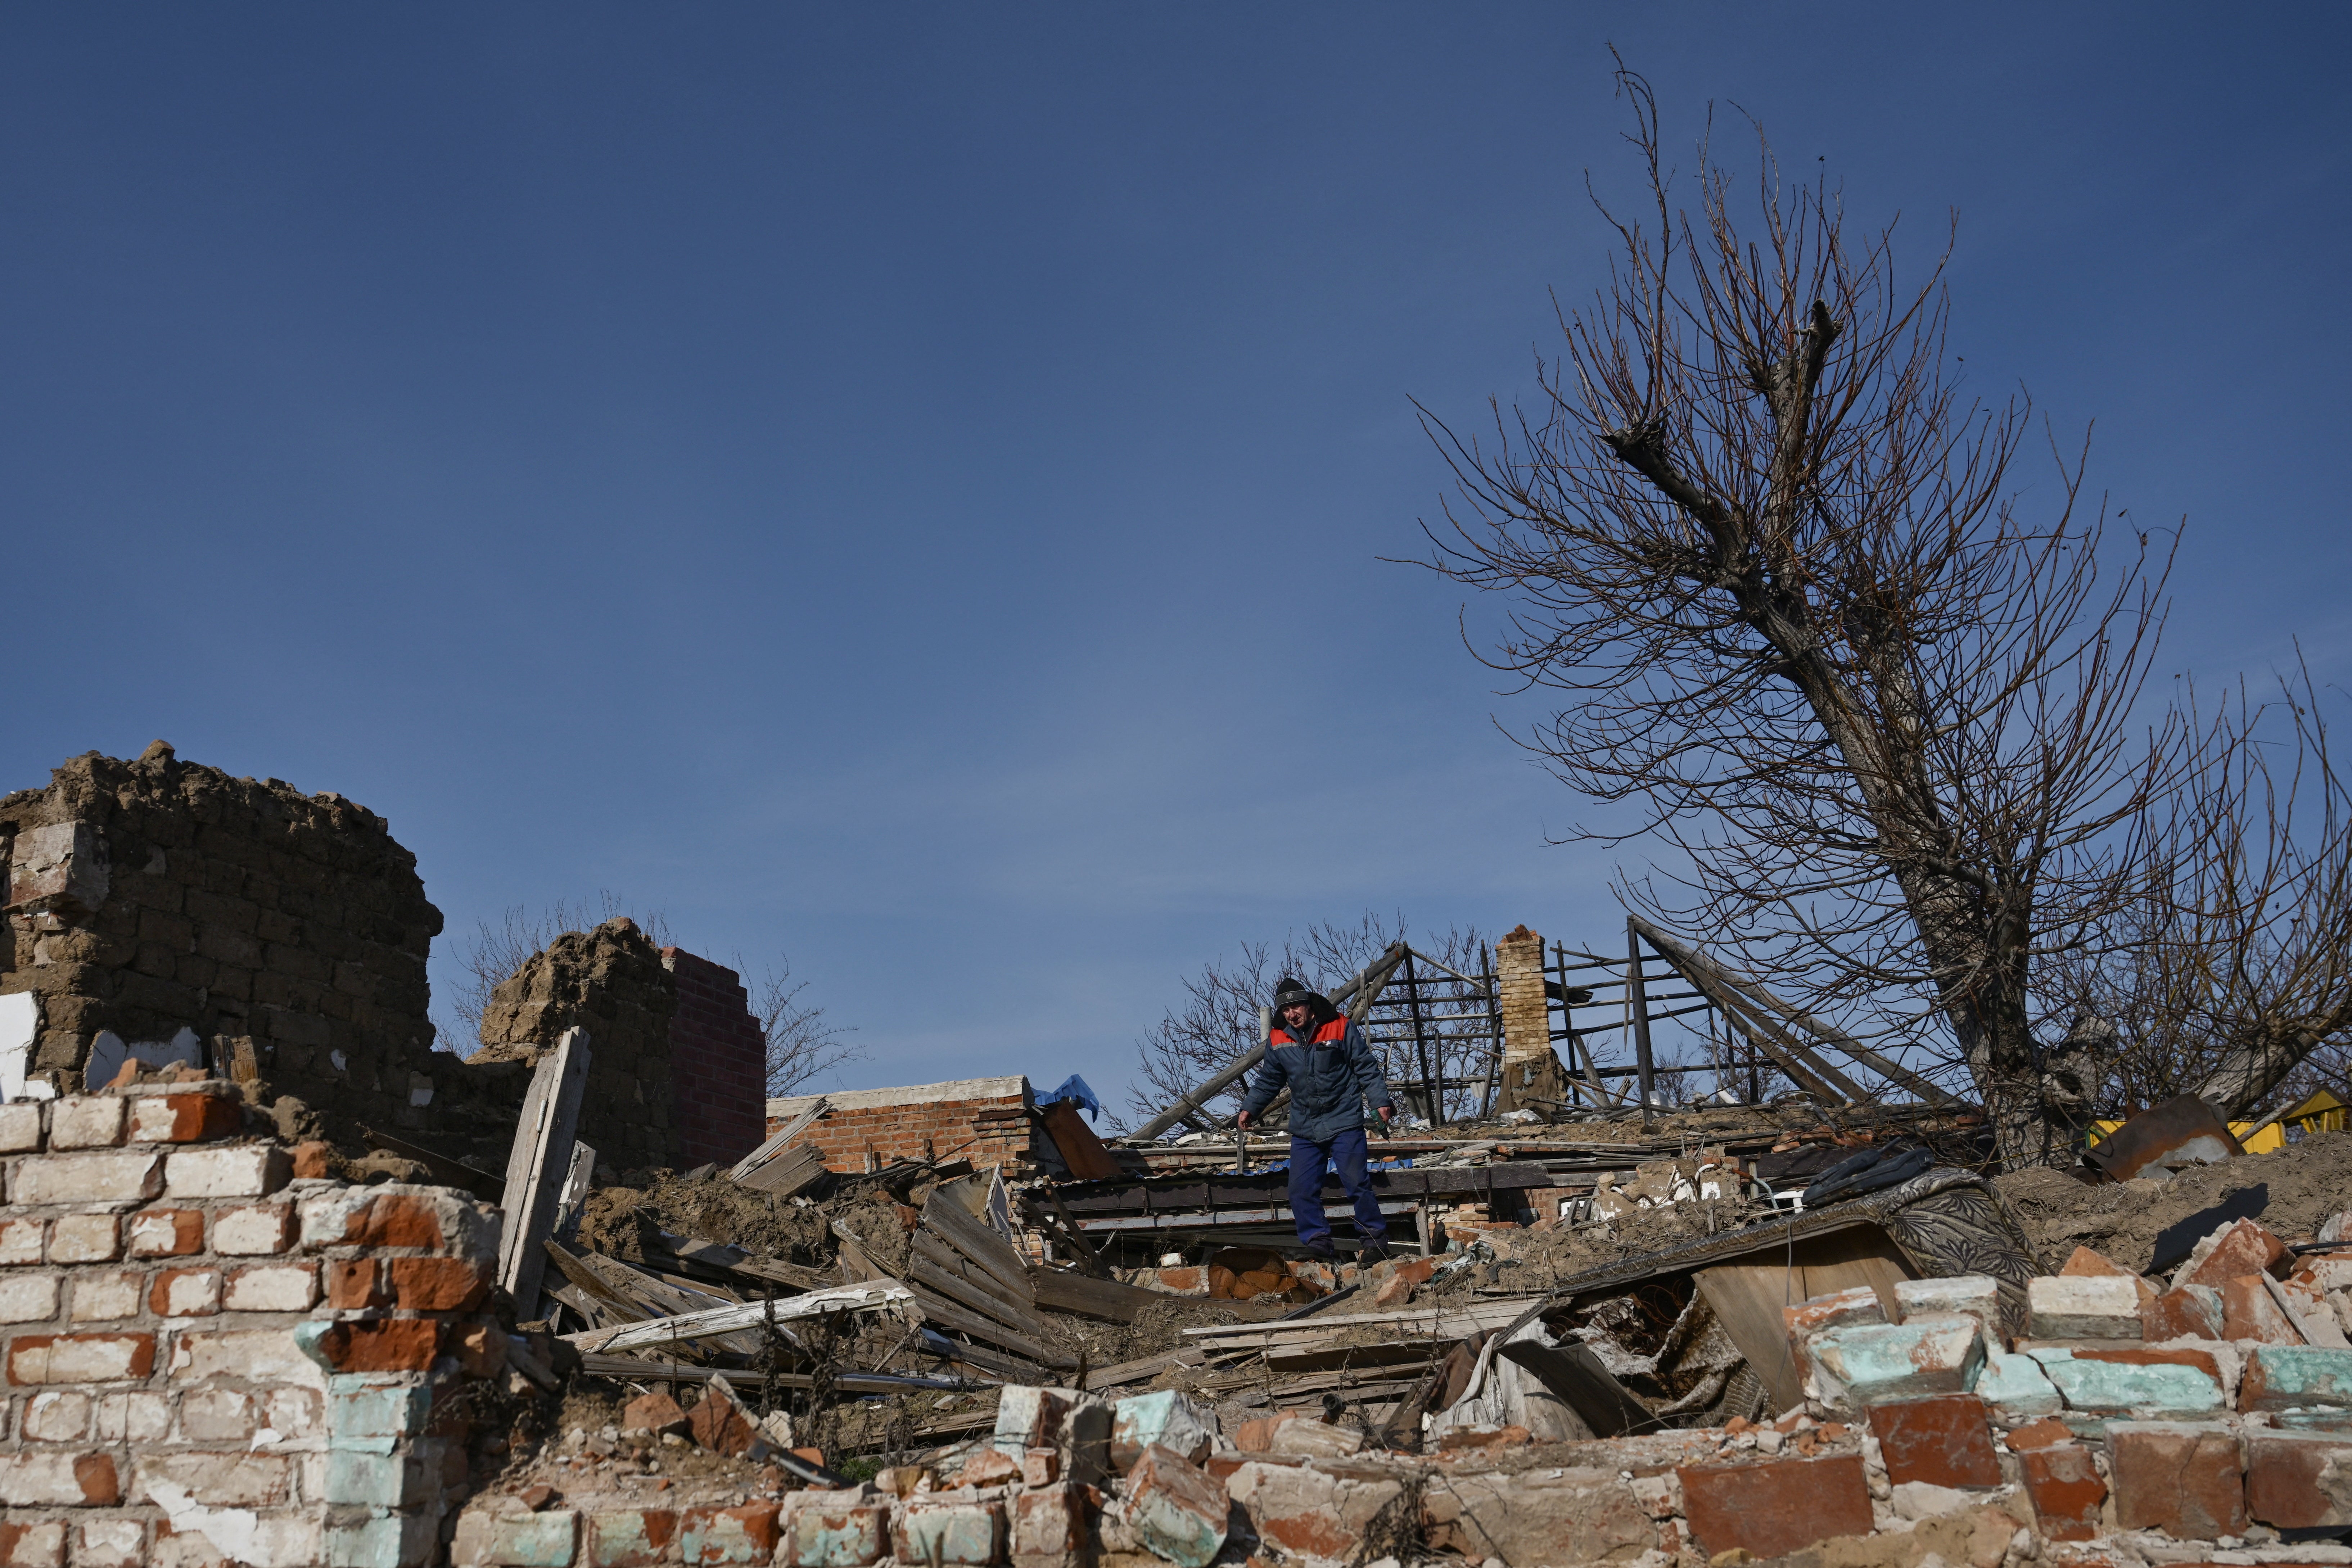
pixel 1291 993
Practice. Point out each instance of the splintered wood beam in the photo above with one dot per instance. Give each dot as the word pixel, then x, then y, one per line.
pixel 779 1141
pixel 1105 1298
pixel 868 1298
pixel 537 1163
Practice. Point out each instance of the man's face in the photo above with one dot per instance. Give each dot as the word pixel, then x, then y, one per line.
pixel 1296 1015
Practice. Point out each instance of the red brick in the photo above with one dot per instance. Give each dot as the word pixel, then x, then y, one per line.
pixel 1943 1439
pixel 2245 1248
pixel 2249 1312
pixel 2182 1314
pixel 1780 1506
pixel 2040 1433
pixel 439 1284
pixel 1050 1524
pixel 2149 1356
pixel 166 1233
pixel 988 1466
pixel 2084 1262
pixel 32 1545
pixel 313 1160
pixel 57 1479
pixel 2185 1480
pixel 720 1424
pixel 183 1118
pixel 725 1535
pixel 630 1537
pixel 80 1358
pixel 353 1283
pixel 2063 1481
pixel 185 1293
pixel 394 1221
pixel 652 1413
pixel 404 1344
pixel 2283 1478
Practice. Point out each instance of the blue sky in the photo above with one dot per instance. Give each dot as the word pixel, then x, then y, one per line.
pixel 905 486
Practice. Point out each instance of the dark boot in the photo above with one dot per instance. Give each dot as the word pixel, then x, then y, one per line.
pixel 1373 1252
pixel 1320 1252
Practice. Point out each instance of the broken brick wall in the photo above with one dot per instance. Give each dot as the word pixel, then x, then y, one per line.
pixel 613 983
pixel 165 909
pixel 282 935
pixel 984 1120
pixel 198 1343
pixel 718 1062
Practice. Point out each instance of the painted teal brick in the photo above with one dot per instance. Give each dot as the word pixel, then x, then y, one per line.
pixel 372 1413
pixel 2017 1385
pixel 2104 1385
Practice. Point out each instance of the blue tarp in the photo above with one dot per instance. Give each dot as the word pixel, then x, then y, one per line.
pixel 1073 1087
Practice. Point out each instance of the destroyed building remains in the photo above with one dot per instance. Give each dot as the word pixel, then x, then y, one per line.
pixel 280 1284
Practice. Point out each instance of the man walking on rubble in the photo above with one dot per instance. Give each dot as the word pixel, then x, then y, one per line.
pixel 1331 1071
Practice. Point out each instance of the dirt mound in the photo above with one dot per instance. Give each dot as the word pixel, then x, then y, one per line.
pixel 2150 1226
pixel 618 1221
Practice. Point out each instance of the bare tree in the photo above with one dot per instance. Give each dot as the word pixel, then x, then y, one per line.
pixel 1777 568
pixel 1217 1019
pixel 802 1046
pixel 2233 965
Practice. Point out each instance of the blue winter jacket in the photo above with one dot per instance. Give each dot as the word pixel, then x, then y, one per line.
pixel 1331 1076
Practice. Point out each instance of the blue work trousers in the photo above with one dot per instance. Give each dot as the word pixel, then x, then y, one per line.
pixel 1346 1151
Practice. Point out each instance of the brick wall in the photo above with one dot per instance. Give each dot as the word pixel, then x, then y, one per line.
pixel 615 983
pixel 985 1120
pixel 206 1357
pixel 718 1062
pixel 1529 1067
pixel 282 933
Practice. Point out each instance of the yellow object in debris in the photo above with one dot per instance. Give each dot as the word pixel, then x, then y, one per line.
pixel 2321 1112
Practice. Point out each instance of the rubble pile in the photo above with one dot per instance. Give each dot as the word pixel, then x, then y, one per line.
pixel 222 1347
pixel 2202 1416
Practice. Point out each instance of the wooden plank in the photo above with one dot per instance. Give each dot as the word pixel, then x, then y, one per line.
pixel 637 1370
pixel 1081 1151
pixel 856 1265
pixel 589 1281
pixel 1143 1371
pixel 579 1177
pixel 658 1295
pixel 787 1174
pixel 955 1225
pixel 1748 1293
pixel 1105 1298
pixel 776 1142
pixel 1000 1364
pixel 536 1164
pixel 936 1281
pixel 792 1275
pixel 947 1314
pixel 1467 1319
pixel 593 1313
pixel 1308 1358
pixel 947 1260
pixel 748 1315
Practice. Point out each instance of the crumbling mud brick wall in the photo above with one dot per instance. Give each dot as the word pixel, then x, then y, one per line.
pixel 209 1356
pixel 613 983
pixel 282 934
pixel 718 1062
pixel 985 1120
